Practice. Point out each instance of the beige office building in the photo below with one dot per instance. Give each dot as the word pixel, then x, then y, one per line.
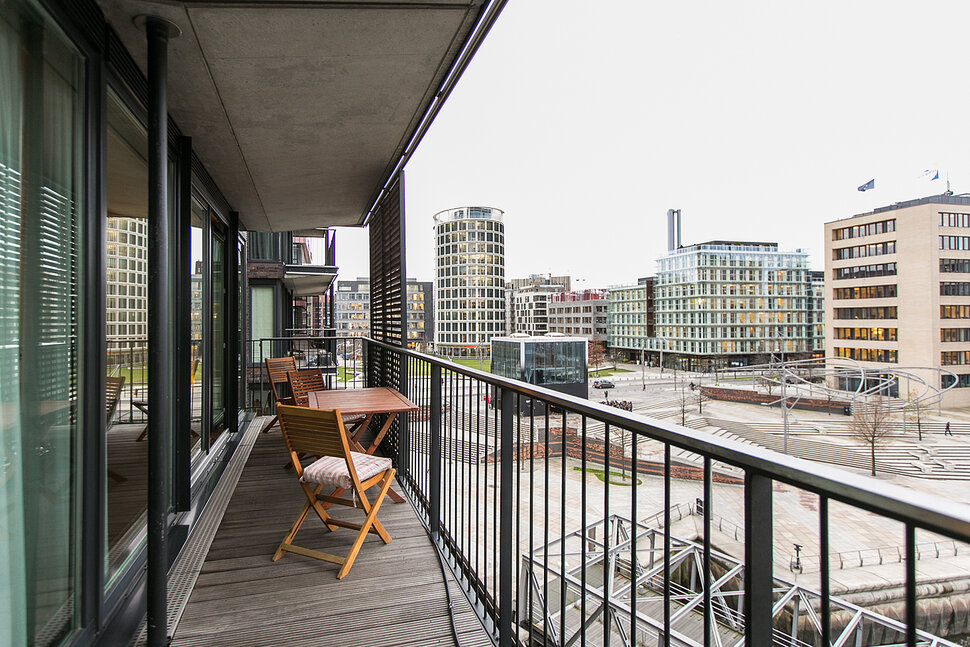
pixel 898 290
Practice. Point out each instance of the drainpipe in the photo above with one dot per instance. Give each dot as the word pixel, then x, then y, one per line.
pixel 161 325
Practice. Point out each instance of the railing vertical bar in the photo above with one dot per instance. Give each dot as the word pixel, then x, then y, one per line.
pixel 584 550
pixel 826 610
pixel 666 640
pixel 517 457
pixel 262 385
pixel 506 549
pixel 532 490
pixel 562 531
pixel 707 551
pixel 607 558
pixel 485 482
pixel 634 561
pixel 758 557
pixel 545 528
pixel 472 508
pixel 434 454
pixel 500 437
pixel 910 585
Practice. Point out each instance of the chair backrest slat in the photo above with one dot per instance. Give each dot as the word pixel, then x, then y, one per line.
pixel 302 382
pixel 318 432
pixel 112 393
pixel 276 372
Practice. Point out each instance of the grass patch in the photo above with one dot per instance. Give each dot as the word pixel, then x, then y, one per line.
pixel 605 372
pixel 473 363
pixel 132 374
pixel 624 480
pixel 343 375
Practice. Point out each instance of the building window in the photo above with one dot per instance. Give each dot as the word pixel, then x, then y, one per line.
pixel 264 246
pixel 955 242
pixel 870 229
pixel 865 271
pixel 867 334
pixel 866 292
pixel 867 354
pixel 958 382
pixel 954 219
pixel 954 357
pixel 954 334
pixel 880 312
pixel 954 312
pixel 873 249
pixel 955 265
pixel 954 289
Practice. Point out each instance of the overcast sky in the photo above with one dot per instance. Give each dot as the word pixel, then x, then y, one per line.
pixel 586 121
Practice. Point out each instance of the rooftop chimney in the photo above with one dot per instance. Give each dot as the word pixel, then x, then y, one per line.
pixel 673 229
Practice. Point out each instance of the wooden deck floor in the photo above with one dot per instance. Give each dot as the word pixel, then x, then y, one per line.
pixel 393 596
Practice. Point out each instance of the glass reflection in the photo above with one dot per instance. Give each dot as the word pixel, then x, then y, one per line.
pixel 126 383
pixel 196 269
pixel 41 175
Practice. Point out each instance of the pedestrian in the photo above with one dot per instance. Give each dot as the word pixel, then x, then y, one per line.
pixel 947 432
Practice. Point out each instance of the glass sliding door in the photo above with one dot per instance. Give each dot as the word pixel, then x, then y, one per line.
pixel 126 289
pixel 208 266
pixel 197 272
pixel 218 327
pixel 41 180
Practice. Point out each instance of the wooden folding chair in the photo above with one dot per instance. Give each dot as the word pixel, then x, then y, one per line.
pixel 302 382
pixel 311 379
pixel 276 371
pixel 319 432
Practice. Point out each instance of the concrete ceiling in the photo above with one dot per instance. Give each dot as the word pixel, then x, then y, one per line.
pixel 299 110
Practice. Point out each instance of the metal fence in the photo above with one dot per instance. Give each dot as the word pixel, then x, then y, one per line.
pixel 525 506
pixel 340 359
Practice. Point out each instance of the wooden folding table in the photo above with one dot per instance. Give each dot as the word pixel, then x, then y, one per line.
pixel 369 402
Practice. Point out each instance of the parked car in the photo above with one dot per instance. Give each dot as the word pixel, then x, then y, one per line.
pixel 603 384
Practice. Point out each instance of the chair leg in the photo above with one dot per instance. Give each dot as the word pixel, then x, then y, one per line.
pixel 115 476
pixel 270 425
pixel 370 520
pixel 295 528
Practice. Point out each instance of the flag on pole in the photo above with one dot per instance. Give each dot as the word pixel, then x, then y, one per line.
pixel 871 184
pixel 930 174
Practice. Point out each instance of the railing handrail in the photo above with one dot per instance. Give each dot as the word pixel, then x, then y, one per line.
pixel 887 499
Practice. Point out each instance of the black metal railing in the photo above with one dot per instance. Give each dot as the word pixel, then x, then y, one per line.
pixel 541 513
pixel 340 359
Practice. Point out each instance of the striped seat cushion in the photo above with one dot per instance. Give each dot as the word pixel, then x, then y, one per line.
pixel 332 470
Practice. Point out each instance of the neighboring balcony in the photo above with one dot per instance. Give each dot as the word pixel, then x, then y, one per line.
pixel 305 279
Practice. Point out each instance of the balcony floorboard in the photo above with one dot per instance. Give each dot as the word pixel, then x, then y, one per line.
pixel 394 594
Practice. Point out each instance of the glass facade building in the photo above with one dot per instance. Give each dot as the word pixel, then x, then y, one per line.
pixel 738 302
pixel 469 292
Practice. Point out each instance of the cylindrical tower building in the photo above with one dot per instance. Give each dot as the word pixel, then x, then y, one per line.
pixel 469 303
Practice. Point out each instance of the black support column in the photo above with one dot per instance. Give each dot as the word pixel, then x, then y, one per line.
pixel 162 329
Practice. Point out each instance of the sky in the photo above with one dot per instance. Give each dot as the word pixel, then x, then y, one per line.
pixel 585 121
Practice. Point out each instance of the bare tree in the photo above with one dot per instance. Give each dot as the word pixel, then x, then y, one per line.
pixel 914 412
pixel 870 424
pixel 690 394
pixel 597 353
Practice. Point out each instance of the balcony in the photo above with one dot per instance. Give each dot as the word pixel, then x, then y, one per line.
pixel 303 278
pixel 394 595
pixel 582 525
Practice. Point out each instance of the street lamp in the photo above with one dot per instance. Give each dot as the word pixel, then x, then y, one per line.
pixel 643 368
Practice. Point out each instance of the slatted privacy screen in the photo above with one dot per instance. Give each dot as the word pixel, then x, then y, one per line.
pixel 387 298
